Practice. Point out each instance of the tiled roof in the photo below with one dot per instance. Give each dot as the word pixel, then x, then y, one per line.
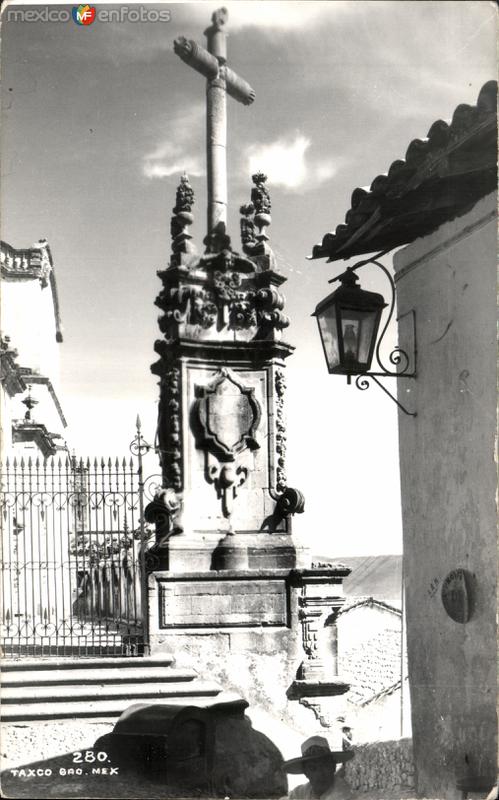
pixel 370 602
pixel 372 667
pixel 441 178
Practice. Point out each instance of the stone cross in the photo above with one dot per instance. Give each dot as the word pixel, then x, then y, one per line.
pixel 221 80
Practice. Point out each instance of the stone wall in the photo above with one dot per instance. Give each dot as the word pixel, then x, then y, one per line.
pixel 255 632
pixel 382 765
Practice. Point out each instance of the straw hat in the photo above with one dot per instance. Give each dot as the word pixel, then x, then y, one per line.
pixel 316 748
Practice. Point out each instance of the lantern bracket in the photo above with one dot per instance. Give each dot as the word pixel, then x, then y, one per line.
pixel 398 357
pixel 362 383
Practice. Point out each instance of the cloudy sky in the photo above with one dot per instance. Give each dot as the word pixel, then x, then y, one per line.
pixel 100 120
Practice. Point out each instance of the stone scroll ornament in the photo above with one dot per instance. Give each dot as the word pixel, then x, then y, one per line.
pixel 226 418
pixel 222 302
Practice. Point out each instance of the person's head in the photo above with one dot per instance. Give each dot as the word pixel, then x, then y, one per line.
pixel 320 772
pixel 318 763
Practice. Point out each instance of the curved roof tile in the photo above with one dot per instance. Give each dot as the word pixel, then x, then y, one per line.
pixel 441 177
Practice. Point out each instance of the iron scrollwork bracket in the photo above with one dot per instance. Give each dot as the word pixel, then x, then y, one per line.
pixel 398 357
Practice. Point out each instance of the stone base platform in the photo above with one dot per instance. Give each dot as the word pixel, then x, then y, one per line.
pixel 256 631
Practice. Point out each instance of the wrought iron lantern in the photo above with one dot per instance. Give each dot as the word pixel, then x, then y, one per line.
pixel 348 322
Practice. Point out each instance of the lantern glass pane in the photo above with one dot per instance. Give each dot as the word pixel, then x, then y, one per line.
pixel 329 335
pixel 358 329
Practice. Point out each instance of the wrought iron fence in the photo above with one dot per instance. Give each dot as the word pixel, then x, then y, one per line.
pixel 72 554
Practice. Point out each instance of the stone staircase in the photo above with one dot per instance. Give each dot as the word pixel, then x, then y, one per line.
pixel 90 688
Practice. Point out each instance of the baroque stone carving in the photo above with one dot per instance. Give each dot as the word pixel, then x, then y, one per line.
pixel 291 501
pixel 228 415
pixel 269 304
pixel 203 309
pixel 219 18
pixel 174 303
pixel 321 714
pixel 256 215
pixel 227 479
pixel 27 263
pixel 317 675
pixel 223 301
pixel 260 196
pixel 280 436
pixel 247 225
pixel 170 430
pixel 165 513
pixel 182 218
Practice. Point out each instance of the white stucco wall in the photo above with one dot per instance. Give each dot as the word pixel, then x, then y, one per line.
pixel 27 316
pixel 448 484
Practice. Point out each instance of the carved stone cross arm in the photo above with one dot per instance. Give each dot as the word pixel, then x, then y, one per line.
pixel 238 88
pixel 196 57
pixel 204 62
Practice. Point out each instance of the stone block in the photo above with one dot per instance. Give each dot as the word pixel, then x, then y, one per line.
pixel 222 603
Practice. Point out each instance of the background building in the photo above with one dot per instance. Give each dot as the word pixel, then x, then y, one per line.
pixel 29 350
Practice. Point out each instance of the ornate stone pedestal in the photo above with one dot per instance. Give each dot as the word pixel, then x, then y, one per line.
pixel 229 593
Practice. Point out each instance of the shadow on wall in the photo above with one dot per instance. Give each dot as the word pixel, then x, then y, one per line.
pixel 161 751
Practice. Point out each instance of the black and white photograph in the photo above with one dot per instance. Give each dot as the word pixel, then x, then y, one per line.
pixel 248 405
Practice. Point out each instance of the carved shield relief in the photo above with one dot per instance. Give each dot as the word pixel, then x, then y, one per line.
pixel 228 415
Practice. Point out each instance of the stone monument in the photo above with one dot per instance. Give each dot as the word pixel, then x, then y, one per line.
pixel 228 589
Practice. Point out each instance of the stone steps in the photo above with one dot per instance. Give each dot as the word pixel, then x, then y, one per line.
pixel 100 708
pixel 49 664
pixel 51 689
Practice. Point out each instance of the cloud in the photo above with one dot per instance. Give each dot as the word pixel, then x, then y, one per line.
pixel 178 152
pixel 174 160
pixel 278 15
pixel 284 162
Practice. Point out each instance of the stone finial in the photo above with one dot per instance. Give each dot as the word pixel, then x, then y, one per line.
pixel 185 195
pixel 30 402
pixel 260 196
pixel 182 218
pixel 257 215
pixel 219 18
